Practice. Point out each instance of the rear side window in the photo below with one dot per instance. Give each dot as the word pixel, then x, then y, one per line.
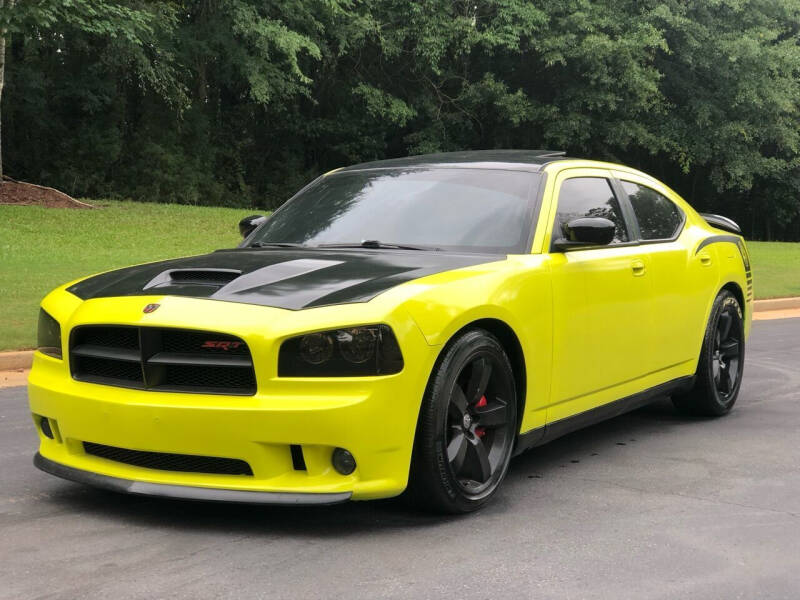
pixel 658 217
pixel 589 197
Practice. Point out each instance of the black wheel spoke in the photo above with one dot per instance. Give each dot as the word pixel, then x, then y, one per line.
pixel 724 326
pixel 493 416
pixel 729 348
pixel 732 373
pixel 478 460
pixel 458 404
pixel 722 380
pixel 457 451
pixel 478 380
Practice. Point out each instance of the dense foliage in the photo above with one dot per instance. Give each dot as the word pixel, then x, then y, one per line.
pixel 238 102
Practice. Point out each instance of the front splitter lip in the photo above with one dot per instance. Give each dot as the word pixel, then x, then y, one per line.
pixel 186 492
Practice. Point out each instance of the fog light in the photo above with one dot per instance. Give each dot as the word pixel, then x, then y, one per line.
pixel 44 425
pixel 343 461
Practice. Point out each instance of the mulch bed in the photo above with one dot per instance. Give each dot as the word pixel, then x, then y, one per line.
pixel 18 193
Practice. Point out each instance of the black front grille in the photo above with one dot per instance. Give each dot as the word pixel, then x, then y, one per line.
pixel 166 461
pixel 162 359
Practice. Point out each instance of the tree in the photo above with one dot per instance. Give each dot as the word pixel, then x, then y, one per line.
pixel 240 102
pixel 133 25
pixel 5 5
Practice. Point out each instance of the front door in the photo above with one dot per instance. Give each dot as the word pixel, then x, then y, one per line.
pixel 602 302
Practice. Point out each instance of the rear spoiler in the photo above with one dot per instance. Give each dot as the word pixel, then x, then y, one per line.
pixel 721 222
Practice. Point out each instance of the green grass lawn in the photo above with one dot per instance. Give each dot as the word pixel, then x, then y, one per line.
pixel 776 268
pixel 41 248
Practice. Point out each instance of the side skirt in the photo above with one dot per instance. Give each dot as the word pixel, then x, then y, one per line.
pixel 551 431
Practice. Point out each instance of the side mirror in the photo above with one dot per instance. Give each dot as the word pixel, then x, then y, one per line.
pixel 248 224
pixel 587 231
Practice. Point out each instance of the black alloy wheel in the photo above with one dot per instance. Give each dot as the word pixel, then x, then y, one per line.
pixel 467 426
pixel 727 349
pixel 476 432
pixel 719 370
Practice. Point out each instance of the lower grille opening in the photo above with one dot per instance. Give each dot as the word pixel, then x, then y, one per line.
pixel 166 461
pixel 298 460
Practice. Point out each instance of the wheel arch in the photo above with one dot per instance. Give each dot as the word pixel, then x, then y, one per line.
pixel 736 290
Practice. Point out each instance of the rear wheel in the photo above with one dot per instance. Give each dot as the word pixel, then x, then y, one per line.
pixel 466 427
pixel 719 370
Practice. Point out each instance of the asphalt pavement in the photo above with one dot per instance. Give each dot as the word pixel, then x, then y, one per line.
pixel 647 505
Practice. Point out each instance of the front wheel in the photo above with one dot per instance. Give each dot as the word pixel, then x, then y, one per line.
pixel 466 427
pixel 719 370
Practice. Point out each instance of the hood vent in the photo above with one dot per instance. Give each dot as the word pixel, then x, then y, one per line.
pixel 209 277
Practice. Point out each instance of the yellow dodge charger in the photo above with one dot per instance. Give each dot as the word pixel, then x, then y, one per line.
pixel 397 326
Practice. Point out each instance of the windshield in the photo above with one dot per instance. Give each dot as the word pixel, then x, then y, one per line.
pixel 478 210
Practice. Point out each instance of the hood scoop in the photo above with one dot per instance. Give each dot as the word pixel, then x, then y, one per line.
pixel 207 277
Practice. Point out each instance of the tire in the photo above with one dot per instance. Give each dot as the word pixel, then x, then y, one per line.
pixel 719 369
pixel 466 428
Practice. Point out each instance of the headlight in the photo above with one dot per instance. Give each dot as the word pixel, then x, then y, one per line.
pixel 316 348
pixel 346 352
pixel 48 335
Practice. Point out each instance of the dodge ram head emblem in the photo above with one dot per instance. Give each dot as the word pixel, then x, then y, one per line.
pixel 150 308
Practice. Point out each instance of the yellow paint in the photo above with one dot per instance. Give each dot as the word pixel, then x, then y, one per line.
pixel 592 327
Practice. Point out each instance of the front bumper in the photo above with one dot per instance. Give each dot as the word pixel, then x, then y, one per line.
pixel 183 492
pixel 374 418
pixel 371 419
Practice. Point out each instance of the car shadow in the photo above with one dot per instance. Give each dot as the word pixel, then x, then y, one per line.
pixel 656 418
pixel 354 518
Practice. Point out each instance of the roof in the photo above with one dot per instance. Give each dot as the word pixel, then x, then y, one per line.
pixel 516 160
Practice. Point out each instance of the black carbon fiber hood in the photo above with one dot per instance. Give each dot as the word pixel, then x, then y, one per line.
pixel 282 278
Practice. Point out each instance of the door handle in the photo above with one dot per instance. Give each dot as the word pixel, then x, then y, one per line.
pixel 638 268
pixel 705 260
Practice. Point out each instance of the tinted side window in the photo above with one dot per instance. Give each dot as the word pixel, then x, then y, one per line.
pixel 589 197
pixel 657 215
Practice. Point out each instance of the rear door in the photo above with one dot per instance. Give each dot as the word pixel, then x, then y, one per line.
pixel 602 301
pixel 681 280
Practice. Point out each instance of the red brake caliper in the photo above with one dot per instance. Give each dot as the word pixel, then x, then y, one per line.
pixel 481 431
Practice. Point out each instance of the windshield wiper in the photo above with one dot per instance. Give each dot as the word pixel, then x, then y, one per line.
pixel 276 245
pixel 378 245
